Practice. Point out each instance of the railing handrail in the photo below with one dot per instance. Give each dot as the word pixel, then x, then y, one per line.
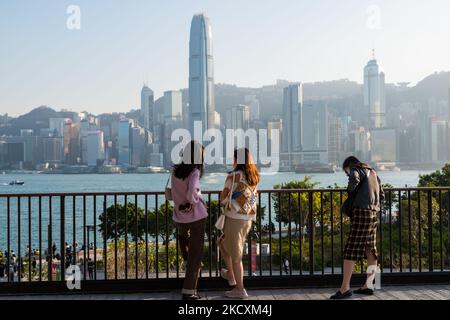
pixel 206 192
pixel 305 226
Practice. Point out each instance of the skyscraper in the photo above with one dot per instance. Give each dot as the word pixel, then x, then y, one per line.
pixel 147 105
pixel 137 146
pixel 124 141
pixel 95 147
pixel 238 117
pixel 292 118
pixel 335 138
pixel 173 107
pixel 272 126
pixel 448 102
pixel 253 104
pixel 374 94
pixel 438 140
pixel 315 126
pixel 201 73
pixel 57 124
pixel 71 140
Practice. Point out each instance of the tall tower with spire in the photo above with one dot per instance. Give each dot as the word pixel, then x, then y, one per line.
pixel 201 73
pixel 374 93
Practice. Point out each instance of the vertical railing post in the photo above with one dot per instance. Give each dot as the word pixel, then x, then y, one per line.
pixel 19 252
pixel 399 219
pixel 420 230
pixel 409 232
pixel 270 233
pixel 311 233
pixel 40 238
pixel 332 231
pixel 390 232
pixel 29 240
pixel 280 235
pixel 430 233
pixel 289 232
pixel 63 238
pixel 50 253
pixel 146 237
pixel 116 223
pixel 300 236
pixel 95 236
pixel 8 234
pixel 50 247
pixel 105 237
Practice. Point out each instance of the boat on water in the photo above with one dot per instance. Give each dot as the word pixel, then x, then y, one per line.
pixel 315 168
pixel 151 170
pixel 16 183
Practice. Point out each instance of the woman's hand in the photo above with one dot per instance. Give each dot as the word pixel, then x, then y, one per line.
pixel 186 208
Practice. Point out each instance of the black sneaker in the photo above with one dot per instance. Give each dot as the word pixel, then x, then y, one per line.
pixel 339 295
pixel 191 297
pixel 366 291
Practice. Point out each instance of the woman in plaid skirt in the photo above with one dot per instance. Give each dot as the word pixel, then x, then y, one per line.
pixel 365 195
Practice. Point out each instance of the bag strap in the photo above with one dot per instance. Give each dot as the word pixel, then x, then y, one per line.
pixel 231 190
pixel 168 179
pixel 363 180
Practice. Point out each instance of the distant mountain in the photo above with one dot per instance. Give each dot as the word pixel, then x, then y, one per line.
pixel 434 86
pixel 36 119
pixel 336 89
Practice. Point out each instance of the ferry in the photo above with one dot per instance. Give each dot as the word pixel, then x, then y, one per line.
pixel 16 183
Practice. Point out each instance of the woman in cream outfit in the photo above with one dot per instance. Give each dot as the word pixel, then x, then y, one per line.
pixel 239 199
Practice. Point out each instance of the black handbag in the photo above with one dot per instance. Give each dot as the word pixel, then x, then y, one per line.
pixel 347 205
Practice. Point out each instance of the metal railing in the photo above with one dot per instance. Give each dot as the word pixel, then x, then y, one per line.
pixel 128 240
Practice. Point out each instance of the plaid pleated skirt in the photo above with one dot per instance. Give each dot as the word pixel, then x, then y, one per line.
pixel 363 234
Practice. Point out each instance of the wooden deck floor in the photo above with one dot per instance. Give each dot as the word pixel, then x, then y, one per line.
pixel 430 292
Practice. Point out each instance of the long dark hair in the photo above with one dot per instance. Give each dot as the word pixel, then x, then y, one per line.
pixel 247 166
pixel 193 158
pixel 353 162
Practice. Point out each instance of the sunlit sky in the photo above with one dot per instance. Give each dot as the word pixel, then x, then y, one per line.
pixel 121 44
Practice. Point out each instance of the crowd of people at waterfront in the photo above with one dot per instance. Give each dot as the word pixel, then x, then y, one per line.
pixel 11 263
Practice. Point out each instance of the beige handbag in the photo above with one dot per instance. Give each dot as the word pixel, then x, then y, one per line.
pixel 220 223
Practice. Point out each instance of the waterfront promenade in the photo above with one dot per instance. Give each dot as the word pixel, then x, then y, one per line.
pixel 428 292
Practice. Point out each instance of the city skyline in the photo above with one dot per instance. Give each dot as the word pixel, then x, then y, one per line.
pixel 81 71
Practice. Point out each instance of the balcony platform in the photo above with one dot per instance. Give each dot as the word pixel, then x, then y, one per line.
pixel 427 292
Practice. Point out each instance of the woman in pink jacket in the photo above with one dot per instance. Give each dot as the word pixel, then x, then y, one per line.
pixel 190 214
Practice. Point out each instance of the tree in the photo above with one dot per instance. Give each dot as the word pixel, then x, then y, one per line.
pixel 439 178
pixel 127 218
pixel 293 207
pixel 131 221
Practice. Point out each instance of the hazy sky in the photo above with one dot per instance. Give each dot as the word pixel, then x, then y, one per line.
pixel 121 44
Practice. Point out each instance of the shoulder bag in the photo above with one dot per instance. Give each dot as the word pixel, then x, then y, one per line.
pixel 220 223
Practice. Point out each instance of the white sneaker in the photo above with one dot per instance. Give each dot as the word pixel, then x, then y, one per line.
pixel 224 274
pixel 236 294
